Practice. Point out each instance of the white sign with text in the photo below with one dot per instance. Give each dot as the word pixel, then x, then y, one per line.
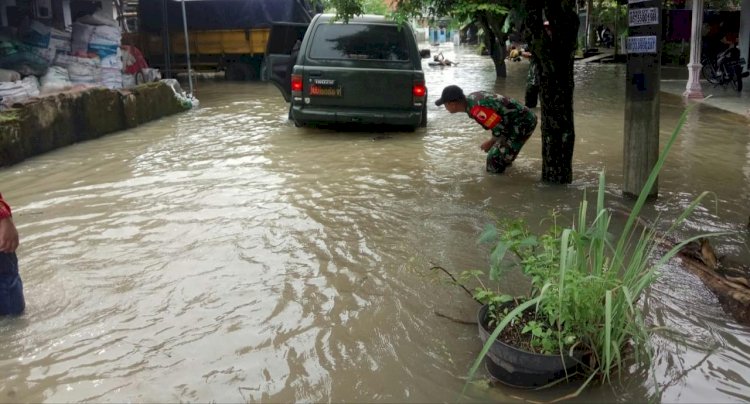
pixel 643 16
pixel 642 44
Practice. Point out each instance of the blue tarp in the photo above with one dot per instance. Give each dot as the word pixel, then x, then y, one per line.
pixel 222 14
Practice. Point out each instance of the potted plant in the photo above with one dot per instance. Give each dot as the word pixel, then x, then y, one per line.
pixel 532 350
pixel 582 313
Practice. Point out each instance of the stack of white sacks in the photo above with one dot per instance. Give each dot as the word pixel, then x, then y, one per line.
pixel 17 91
pixel 106 43
pixel 60 41
pixel 96 46
pixel 89 55
pixel 38 38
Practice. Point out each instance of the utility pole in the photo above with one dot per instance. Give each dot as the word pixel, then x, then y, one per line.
pixel 187 47
pixel 641 149
pixel 166 38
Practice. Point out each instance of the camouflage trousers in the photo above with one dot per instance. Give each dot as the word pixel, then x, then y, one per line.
pixel 508 145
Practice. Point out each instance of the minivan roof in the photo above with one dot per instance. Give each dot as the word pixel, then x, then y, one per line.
pixel 366 18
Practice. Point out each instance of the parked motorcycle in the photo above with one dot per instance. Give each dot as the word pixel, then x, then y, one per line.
pixel 725 68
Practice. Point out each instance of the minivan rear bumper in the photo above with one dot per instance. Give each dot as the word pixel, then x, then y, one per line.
pixel 304 115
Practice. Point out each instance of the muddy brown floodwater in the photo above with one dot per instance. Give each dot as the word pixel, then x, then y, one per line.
pixel 225 255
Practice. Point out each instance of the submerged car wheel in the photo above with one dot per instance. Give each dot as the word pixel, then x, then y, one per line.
pixel 423 122
pixel 291 118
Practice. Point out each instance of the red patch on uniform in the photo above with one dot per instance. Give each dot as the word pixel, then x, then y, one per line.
pixel 487 117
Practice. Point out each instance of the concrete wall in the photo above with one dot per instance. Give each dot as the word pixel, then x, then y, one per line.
pixel 63 119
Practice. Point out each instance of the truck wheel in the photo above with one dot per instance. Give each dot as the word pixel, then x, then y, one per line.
pixel 423 122
pixel 238 72
pixel 291 118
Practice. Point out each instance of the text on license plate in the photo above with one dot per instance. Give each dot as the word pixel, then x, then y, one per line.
pixel 325 91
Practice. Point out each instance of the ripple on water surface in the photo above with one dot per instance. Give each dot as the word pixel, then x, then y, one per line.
pixel 225 255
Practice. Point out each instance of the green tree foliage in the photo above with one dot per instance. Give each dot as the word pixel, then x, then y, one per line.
pixel 489 14
pixel 345 9
pixel 374 7
pixel 722 4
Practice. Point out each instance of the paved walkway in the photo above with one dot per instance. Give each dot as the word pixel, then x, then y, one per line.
pixel 674 81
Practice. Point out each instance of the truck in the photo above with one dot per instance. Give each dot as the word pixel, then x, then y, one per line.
pixel 224 35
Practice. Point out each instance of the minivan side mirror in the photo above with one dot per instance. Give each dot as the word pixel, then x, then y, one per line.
pixel 424 53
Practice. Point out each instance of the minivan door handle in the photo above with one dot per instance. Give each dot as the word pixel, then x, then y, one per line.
pixel 316 73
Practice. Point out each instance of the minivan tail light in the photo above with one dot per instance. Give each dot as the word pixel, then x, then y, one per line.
pixel 419 90
pixel 297 82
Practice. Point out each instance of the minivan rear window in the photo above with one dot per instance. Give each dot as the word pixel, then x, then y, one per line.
pixel 359 41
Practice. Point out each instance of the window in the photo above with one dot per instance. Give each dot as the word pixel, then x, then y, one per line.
pixel 359 41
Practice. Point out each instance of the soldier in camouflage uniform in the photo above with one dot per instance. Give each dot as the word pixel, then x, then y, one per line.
pixel 511 123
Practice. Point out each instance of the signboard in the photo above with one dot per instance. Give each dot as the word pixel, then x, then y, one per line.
pixel 642 44
pixel 643 16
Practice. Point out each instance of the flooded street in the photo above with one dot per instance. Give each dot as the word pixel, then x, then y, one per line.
pixel 225 255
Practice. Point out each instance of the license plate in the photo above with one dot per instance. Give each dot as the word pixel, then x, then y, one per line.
pixel 326 91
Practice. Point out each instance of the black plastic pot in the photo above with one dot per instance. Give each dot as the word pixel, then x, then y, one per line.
pixel 519 368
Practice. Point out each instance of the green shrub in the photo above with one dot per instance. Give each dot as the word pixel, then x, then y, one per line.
pixel 587 280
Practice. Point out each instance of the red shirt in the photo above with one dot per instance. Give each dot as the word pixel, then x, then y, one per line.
pixel 4 208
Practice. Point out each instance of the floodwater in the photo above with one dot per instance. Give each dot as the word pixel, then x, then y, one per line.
pixel 225 255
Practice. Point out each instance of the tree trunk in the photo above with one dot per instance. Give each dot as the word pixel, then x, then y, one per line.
pixel 558 130
pixel 556 51
pixel 494 40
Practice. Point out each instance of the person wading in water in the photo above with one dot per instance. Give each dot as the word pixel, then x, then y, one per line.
pixel 510 121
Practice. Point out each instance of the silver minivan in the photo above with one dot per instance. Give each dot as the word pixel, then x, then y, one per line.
pixel 366 71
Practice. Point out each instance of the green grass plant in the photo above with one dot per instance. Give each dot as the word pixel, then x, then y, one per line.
pixel 586 280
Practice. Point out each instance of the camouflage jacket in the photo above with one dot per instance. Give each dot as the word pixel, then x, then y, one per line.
pixel 500 114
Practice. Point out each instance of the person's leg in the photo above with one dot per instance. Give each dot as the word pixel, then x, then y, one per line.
pixel 521 134
pixel 11 286
pixel 532 95
pixel 506 148
pixel 532 86
pixel 499 156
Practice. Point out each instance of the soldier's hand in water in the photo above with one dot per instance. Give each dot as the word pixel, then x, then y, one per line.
pixel 486 145
pixel 8 236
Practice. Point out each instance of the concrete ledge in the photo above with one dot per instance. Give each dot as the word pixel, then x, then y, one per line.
pixel 62 119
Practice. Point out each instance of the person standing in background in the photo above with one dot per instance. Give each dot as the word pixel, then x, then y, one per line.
pixel 11 288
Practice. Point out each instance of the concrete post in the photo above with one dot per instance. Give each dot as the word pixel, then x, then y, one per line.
pixel 4 12
pixel 693 88
pixel 3 18
pixel 641 148
pixel 67 16
pixel 745 30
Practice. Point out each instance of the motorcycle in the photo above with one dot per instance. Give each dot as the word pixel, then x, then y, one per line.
pixel 725 68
